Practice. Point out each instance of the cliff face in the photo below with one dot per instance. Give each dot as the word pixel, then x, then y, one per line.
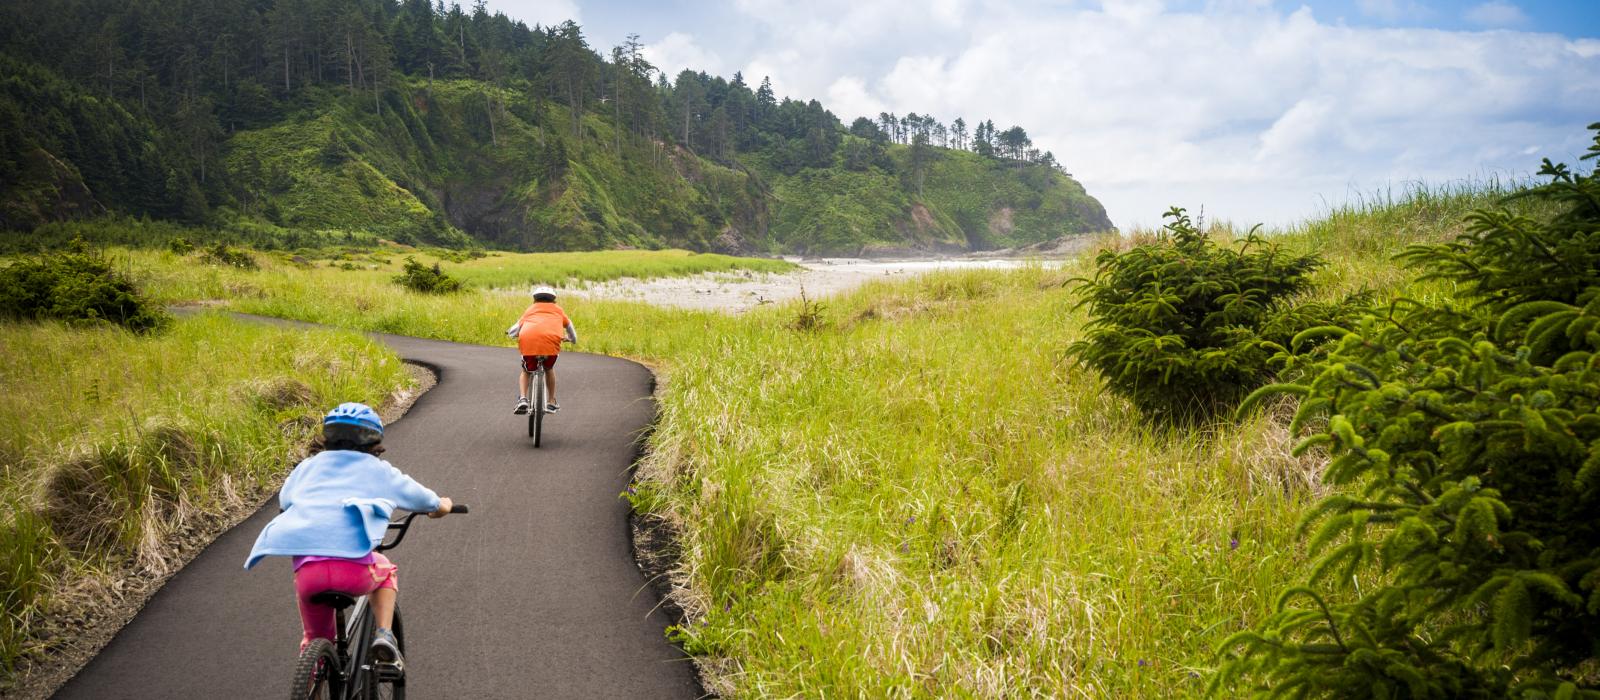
pixel 461 163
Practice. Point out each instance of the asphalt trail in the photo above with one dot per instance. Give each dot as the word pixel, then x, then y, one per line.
pixel 535 594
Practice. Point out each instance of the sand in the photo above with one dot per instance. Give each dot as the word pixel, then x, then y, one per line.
pixel 735 292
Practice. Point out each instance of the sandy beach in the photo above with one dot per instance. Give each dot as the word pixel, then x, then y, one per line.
pixel 740 291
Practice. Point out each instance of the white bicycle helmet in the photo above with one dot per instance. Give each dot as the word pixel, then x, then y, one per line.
pixel 544 293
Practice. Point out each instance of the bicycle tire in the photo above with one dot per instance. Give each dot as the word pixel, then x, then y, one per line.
pixel 372 687
pixel 316 674
pixel 536 416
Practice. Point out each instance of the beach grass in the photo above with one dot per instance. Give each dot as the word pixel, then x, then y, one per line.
pixel 906 490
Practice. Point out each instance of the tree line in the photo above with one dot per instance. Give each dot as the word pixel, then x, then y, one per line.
pixel 202 69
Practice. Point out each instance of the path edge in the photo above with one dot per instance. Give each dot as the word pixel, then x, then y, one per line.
pixel 654 540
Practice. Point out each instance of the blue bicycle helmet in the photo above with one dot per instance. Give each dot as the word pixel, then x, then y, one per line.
pixel 352 423
pixel 358 414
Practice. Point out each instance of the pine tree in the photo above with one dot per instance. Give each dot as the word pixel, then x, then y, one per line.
pixel 1465 445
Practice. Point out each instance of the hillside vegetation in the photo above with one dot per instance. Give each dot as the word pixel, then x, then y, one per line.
pixel 417 124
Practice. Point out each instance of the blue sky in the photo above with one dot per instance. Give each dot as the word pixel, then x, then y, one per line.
pixel 1255 110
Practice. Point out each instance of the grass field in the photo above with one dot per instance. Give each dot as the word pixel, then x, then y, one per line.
pixel 906 491
pixel 111 442
pixel 365 277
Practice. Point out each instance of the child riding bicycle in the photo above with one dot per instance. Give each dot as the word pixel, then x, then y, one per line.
pixel 335 508
pixel 539 333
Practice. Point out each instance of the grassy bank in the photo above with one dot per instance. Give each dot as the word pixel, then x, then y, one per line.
pixel 114 445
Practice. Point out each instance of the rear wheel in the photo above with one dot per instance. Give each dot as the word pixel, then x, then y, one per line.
pixel 536 416
pixel 316 675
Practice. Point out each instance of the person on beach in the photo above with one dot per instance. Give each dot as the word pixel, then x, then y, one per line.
pixel 334 510
pixel 539 333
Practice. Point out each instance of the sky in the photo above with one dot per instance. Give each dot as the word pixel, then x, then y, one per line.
pixel 1254 111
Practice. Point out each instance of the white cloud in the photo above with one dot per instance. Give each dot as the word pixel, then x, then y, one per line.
pixel 848 95
pixel 1302 127
pixel 1497 13
pixel 677 51
pixel 1254 112
pixel 542 12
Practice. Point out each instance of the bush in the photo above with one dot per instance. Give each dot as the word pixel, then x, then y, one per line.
pixel 1466 438
pixel 1185 327
pixel 418 277
pixel 221 254
pixel 76 286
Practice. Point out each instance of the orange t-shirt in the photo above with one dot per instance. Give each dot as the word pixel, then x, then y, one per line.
pixel 544 326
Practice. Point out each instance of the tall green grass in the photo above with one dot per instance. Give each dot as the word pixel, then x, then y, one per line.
pixel 111 442
pixel 913 494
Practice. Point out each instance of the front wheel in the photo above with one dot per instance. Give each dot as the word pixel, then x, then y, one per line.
pixel 387 685
pixel 316 675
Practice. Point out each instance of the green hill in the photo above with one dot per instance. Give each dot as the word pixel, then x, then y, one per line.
pixel 421 125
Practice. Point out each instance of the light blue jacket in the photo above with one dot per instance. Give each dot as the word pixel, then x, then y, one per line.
pixel 337 504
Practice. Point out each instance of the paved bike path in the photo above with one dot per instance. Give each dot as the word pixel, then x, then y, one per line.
pixel 535 594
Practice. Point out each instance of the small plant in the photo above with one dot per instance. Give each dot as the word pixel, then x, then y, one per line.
pixel 222 254
pixel 180 246
pixel 809 318
pixel 1185 327
pixel 418 277
pixel 1466 438
pixel 75 286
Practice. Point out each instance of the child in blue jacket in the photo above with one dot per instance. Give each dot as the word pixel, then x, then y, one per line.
pixel 335 509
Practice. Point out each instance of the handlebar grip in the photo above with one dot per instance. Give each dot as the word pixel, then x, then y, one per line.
pixel 459 508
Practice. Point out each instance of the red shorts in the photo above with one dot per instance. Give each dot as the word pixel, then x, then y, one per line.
pixel 527 361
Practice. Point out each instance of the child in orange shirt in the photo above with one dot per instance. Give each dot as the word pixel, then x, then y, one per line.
pixel 539 334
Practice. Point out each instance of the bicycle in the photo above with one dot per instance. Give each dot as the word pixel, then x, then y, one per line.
pixel 340 669
pixel 541 399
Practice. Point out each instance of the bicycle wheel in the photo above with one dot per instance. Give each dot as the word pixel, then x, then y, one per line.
pixel 382 685
pixel 536 416
pixel 316 675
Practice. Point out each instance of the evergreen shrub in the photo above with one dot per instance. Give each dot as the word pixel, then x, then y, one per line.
pixel 76 286
pixel 1465 442
pixel 222 254
pixel 418 277
pixel 1185 327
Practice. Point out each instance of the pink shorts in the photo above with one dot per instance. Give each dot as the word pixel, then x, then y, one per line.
pixel 346 576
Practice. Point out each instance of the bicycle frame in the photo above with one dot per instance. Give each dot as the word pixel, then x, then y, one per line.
pixel 353 630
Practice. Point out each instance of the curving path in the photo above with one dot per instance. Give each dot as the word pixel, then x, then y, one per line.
pixel 533 595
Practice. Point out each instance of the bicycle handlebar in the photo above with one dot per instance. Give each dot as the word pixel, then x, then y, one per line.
pixel 405 525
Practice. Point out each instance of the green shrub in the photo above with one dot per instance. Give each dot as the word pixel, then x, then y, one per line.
pixel 1185 327
pixel 180 246
pixel 222 254
pixel 78 286
pixel 418 277
pixel 1466 440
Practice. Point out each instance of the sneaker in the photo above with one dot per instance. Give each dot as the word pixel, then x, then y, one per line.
pixel 522 407
pixel 384 648
pixel 552 407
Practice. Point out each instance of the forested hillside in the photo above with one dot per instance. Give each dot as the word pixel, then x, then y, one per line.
pixel 429 123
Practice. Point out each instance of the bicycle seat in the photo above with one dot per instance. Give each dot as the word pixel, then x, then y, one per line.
pixel 333 599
